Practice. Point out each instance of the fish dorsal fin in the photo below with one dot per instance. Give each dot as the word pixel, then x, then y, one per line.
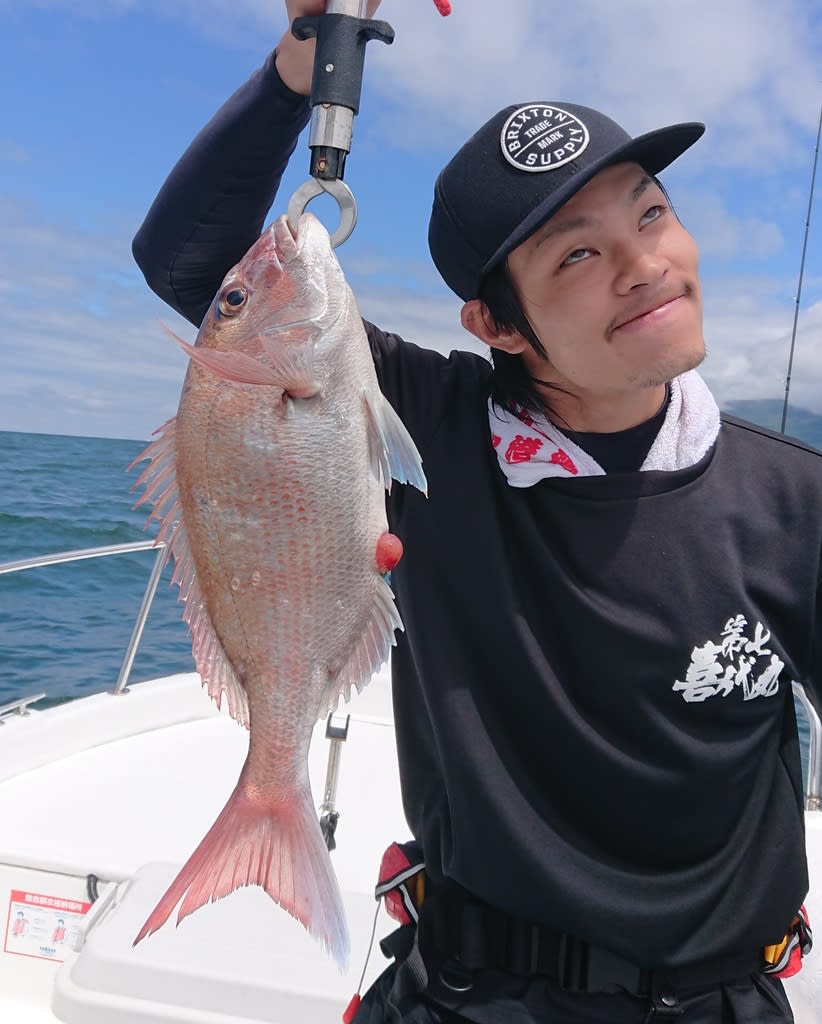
pixel 160 480
pixel 371 649
pixel 392 450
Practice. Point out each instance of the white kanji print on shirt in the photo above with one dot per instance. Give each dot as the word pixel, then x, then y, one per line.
pixel 737 660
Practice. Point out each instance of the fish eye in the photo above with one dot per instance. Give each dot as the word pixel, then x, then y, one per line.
pixel 232 300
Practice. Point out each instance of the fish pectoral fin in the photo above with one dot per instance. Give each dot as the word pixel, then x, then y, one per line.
pixel 370 651
pixel 238 367
pixel 293 363
pixel 162 492
pixel 392 450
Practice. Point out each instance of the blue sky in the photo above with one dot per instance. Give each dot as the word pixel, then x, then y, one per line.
pixel 100 97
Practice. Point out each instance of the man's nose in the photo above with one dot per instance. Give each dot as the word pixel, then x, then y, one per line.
pixel 639 266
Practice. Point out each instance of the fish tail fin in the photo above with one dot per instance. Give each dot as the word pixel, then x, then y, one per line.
pixel 281 849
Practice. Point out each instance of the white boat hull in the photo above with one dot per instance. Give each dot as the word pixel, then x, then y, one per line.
pixel 123 788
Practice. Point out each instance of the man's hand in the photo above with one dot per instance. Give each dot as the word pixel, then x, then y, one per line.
pixel 295 59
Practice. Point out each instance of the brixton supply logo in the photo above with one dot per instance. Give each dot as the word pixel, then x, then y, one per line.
pixel 542 138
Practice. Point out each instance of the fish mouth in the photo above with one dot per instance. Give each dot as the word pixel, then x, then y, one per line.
pixel 287 239
pixel 284 247
pixel 278 245
pixel 290 239
pixel 282 242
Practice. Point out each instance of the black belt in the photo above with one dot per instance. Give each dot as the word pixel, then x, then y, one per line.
pixel 472 936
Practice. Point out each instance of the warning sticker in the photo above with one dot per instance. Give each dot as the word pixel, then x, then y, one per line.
pixel 42 926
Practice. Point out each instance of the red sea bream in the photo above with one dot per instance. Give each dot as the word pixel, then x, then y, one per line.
pixel 270 488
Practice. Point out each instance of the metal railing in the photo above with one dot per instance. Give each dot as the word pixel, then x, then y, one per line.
pixel 813 798
pixel 812 795
pixel 19 707
pixel 57 558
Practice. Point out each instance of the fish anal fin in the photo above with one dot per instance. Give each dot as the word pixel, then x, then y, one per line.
pixel 369 652
pixel 161 491
pixel 392 450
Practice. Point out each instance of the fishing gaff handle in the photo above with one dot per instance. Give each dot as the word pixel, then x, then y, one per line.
pixel 336 85
pixel 340 55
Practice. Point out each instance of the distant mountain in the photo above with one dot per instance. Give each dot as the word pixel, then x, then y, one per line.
pixel 767 412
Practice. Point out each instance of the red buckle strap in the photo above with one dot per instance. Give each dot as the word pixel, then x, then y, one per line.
pixel 784 959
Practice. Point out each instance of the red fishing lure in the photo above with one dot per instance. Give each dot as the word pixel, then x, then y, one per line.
pixel 389 552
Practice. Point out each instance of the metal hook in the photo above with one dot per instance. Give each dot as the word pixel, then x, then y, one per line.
pixel 339 191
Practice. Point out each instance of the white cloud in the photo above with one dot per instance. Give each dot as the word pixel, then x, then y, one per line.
pixel 722 233
pixel 747 67
pixel 83 351
pixel 749 337
pixel 432 322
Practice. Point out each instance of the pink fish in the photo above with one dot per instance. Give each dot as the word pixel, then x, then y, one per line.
pixel 270 488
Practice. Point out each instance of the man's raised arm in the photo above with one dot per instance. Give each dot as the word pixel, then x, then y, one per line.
pixel 213 205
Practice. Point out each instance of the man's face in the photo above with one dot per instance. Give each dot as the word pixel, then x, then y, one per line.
pixel 611 287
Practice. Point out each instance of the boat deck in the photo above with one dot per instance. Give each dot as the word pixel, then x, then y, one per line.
pixel 122 788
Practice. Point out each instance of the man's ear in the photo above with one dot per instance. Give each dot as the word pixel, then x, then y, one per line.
pixel 478 321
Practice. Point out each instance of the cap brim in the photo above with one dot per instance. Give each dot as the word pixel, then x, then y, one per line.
pixel 653 151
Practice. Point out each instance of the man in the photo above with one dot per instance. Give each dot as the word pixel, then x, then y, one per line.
pixel 606 595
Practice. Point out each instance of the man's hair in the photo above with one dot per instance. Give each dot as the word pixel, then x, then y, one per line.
pixel 511 384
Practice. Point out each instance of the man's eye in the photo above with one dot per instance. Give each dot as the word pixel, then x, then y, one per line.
pixel 575 257
pixel 654 213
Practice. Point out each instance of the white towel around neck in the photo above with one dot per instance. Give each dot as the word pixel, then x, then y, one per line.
pixel 530 448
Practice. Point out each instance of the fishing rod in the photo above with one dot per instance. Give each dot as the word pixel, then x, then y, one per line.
pixel 801 276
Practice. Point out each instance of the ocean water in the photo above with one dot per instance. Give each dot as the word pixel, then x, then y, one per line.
pixel 64 629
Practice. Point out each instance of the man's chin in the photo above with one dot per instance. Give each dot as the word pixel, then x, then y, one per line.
pixel 674 367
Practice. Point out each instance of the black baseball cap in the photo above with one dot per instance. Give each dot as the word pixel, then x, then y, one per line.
pixel 518 170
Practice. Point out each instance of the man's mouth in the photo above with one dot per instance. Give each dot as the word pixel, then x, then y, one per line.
pixel 650 312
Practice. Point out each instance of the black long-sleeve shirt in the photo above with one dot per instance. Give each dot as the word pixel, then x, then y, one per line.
pixel 214 203
pixel 580 741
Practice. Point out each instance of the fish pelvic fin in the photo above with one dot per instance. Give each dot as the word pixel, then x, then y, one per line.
pixel 392 450
pixel 277 846
pixel 369 652
pixel 162 492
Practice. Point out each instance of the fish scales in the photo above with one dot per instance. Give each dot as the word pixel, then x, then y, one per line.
pixel 281 451
pixel 281 558
pixel 288 578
